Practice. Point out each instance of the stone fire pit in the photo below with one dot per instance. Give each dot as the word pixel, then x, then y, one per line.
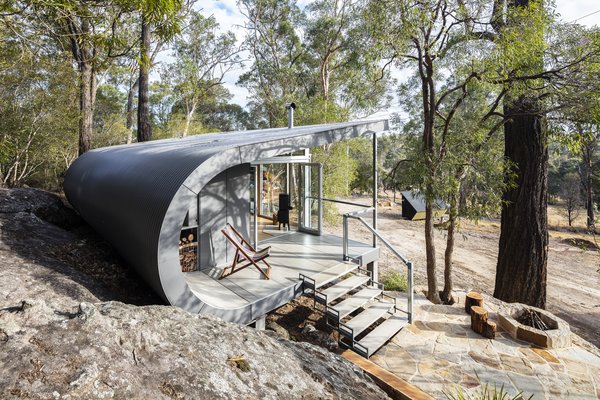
pixel 557 336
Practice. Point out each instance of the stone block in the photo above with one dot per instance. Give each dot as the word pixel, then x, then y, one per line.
pixel 557 337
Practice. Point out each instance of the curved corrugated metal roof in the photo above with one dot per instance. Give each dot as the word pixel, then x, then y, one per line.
pixel 137 195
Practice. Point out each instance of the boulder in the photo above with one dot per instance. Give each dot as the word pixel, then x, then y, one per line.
pixel 64 335
pixel 115 350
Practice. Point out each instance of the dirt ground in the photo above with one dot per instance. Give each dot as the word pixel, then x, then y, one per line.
pixel 573 277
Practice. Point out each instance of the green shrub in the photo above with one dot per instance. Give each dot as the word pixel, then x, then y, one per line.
pixel 487 393
pixel 394 280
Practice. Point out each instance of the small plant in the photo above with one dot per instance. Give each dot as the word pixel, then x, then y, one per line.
pixel 487 393
pixel 395 281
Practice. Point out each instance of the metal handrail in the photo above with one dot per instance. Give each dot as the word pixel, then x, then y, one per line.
pixel 409 264
pixel 350 203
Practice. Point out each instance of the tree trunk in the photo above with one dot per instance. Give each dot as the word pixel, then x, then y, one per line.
pixel 523 249
pixel 588 151
pixel 86 105
pixel 428 97
pixel 129 113
pixel 188 118
pixel 432 292
pixel 144 132
pixel 453 214
pixel 325 77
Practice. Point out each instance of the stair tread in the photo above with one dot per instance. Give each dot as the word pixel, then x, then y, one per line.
pixel 327 276
pixel 357 300
pixel 369 316
pixel 384 332
pixel 339 289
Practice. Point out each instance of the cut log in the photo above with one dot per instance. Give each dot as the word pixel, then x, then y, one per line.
pixel 489 330
pixel 478 319
pixel 473 299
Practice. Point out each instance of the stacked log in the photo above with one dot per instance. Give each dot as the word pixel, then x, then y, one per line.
pixel 480 323
pixel 479 316
pixel 188 254
pixel 473 299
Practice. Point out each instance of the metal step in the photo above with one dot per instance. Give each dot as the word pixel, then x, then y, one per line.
pixel 368 317
pixel 354 302
pixel 339 289
pixel 333 273
pixel 380 335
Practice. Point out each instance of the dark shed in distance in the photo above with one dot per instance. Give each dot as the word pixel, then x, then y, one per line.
pixel 413 206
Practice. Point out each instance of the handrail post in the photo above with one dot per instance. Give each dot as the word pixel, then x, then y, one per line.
pixel 410 292
pixel 345 238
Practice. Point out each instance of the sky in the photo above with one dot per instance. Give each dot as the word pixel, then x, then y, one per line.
pixel 229 17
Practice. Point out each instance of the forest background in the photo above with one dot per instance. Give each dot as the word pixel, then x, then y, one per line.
pixel 458 79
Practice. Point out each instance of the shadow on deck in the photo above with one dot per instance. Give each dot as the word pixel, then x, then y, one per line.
pixel 245 296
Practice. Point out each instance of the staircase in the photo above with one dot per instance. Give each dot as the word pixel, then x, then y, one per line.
pixel 356 306
pixel 365 317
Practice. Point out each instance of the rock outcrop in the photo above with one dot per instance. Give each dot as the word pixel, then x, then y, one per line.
pixel 61 338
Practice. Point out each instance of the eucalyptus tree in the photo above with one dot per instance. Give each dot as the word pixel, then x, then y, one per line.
pixel 278 70
pixel 469 174
pixel 90 31
pixel 506 46
pixel 432 36
pixel 161 18
pixel 540 59
pixel 203 56
pixel 38 109
pixel 346 75
pixel 578 120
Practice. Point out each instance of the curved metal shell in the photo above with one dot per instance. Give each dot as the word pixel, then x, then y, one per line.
pixel 137 196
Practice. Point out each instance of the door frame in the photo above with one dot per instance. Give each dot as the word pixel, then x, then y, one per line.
pixel 304 185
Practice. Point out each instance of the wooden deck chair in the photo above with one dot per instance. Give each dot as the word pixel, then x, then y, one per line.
pixel 244 252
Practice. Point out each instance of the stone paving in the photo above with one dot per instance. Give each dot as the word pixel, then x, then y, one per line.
pixel 440 354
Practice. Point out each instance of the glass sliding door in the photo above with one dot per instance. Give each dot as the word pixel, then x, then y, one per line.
pixel 273 182
pixel 310 191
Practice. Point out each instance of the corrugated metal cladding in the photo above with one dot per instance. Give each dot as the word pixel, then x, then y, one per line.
pixel 137 195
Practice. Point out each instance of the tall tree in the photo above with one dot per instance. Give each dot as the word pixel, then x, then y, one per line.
pixel 161 17
pixel 538 70
pixel 335 42
pixel 38 108
pixel 277 74
pixel 202 58
pixel 144 128
pixel 579 121
pixel 92 33
pixel 430 36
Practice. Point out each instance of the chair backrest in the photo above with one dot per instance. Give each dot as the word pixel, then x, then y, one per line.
pixel 237 239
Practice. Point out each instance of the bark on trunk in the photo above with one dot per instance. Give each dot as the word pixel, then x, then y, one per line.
pixel 188 118
pixel 588 150
pixel 83 55
pixel 432 292
pixel 325 77
pixel 129 114
pixel 523 249
pixel 144 132
pixel 428 94
pixel 86 106
pixel 448 285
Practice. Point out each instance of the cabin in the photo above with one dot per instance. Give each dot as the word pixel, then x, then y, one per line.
pixel 170 208
pixel 413 206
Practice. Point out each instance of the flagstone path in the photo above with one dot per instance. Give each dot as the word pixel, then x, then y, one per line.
pixel 441 355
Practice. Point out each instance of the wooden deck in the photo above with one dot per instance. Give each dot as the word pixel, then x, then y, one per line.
pixel 292 253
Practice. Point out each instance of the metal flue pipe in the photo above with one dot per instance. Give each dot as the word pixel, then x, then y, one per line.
pixel 290 107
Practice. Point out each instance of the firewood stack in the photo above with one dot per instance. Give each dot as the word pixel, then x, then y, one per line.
pixel 188 257
pixel 533 319
pixel 479 316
